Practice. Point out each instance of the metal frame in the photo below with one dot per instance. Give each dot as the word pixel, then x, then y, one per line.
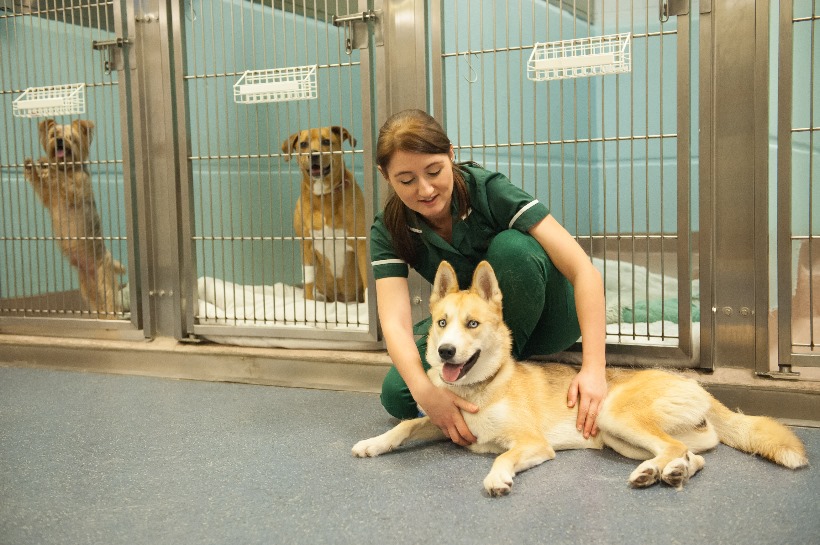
pixel 191 329
pixel 733 178
pixel 156 162
pixel 101 17
pixel 787 358
pixel 622 352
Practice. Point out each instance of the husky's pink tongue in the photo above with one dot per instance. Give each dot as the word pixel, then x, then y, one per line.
pixel 450 372
pixel 60 153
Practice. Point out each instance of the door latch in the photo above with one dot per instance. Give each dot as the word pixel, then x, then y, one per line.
pixel 355 36
pixel 114 49
pixel 668 8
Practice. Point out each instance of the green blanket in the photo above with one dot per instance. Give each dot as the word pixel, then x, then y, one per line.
pixel 656 311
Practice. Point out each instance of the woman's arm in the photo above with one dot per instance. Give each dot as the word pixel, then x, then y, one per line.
pixel 573 262
pixel 395 317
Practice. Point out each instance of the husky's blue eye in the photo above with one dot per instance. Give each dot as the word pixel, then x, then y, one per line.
pixel 442 323
pixel 472 324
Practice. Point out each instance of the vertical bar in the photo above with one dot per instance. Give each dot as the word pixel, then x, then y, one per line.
pixel 760 302
pixel 784 185
pixel 684 228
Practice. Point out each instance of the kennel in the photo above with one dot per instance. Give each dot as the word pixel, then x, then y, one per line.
pixel 197 196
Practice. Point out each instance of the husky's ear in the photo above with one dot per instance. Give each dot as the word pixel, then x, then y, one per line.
pixel 485 283
pixel 446 282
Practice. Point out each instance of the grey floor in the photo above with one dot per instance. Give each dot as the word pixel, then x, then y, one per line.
pixel 88 458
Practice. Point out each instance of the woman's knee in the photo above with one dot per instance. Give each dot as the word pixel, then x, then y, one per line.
pixel 518 252
pixel 396 397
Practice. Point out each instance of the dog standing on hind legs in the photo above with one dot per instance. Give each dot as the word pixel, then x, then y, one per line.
pixel 659 417
pixel 63 185
pixel 329 216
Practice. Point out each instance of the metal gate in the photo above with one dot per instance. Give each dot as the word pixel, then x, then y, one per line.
pixel 609 154
pixel 65 189
pixel 602 152
pixel 798 226
pixel 277 121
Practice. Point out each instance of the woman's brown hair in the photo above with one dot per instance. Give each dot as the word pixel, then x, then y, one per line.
pixel 413 131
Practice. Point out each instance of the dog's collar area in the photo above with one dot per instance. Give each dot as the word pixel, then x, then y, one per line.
pixel 452 372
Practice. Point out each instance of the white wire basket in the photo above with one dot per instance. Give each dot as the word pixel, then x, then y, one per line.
pixel 50 101
pixel 276 85
pixel 581 57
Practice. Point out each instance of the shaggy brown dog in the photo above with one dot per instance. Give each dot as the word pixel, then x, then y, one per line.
pixel 64 186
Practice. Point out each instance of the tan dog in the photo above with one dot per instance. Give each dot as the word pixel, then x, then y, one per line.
pixel 652 415
pixel 329 217
pixel 64 187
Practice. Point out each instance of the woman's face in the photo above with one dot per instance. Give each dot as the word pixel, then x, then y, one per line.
pixel 423 182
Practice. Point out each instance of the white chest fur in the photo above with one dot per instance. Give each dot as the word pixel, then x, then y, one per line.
pixel 333 246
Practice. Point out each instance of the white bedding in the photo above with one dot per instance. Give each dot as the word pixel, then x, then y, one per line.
pixel 227 303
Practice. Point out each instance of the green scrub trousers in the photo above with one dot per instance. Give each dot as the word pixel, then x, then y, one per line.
pixel 539 309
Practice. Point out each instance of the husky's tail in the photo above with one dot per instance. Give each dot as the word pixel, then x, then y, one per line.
pixel 758 435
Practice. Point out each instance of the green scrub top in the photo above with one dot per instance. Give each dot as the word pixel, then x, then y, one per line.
pixel 495 205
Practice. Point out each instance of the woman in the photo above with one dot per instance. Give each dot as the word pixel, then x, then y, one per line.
pixel 439 210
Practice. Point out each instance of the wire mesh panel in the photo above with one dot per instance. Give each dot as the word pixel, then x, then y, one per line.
pixel 277 173
pixel 601 151
pixel 799 185
pixel 63 219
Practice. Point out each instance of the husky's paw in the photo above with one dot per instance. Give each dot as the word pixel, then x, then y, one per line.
pixel 371 447
pixel 498 483
pixel 645 475
pixel 678 471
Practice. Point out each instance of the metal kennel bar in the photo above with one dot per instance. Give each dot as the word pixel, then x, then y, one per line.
pixel 50 69
pixel 242 186
pixel 798 225
pixel 609 155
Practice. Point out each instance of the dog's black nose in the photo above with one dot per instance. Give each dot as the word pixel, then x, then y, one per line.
pixel 446 351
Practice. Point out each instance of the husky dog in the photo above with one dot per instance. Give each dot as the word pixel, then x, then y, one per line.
pixel 62 182
pixel 657 416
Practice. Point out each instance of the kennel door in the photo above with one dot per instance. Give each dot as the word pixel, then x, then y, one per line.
pixel 798 184
pixel 586 106
pixel 257 74
pixel 66 251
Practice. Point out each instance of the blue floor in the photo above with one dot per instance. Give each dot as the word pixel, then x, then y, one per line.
pixel 88 458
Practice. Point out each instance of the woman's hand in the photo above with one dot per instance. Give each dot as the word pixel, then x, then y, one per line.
pixel 443 407
pixel 588 389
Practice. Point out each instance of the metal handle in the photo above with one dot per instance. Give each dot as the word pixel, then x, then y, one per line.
pixel 99 45
pixel 114 47
pixel 347 21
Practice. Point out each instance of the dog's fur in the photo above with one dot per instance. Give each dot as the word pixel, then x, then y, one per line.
pixel 62 183
pixel 329 216
pixel 657 416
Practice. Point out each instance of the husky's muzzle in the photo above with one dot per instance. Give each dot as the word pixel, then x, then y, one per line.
pixel 451 371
